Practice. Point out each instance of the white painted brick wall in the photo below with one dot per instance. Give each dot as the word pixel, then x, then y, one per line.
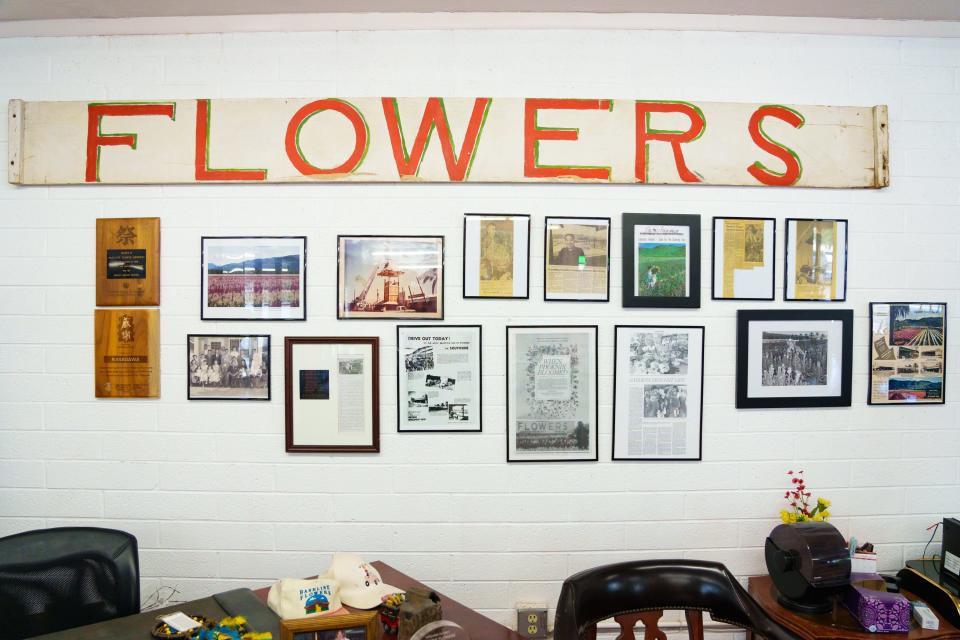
pixel 207 487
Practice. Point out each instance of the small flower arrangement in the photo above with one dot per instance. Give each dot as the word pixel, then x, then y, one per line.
pixel 799 498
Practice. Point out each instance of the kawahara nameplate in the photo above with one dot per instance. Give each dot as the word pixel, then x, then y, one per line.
pixel 128 262
pixel 127 353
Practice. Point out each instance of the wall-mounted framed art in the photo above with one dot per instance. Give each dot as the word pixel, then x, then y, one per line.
pixel 126 353
pixel 390 277
pixel 551 393
pixel 253 278
pixel 496 255
pixel 658 392
pixel 661 260
pixel 128 262
pixel 908 353
pixel 576 259
pixel 794 358
pixel 744 255
pixel 332 394
pixel 228 367
pixel 815 267
pixel 439 378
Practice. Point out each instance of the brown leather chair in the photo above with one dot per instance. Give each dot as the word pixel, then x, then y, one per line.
pixel 632 591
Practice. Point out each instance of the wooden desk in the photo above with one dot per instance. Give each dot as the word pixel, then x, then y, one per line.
pixel 477 625
pixel 838 624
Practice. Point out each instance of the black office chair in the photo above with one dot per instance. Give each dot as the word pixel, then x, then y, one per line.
pixel 632 591
pixel 55 579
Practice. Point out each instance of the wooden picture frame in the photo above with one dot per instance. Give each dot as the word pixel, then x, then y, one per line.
pixel 332 394
pixel 248 369
pixel 571 273
pixel 326 627
pixel 753 254
pixel 505 273
pixel 805 276
pixel 128 262
pixel 661 260
pixel 907 353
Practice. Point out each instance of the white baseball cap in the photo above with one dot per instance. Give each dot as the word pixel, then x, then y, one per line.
pixel 291 598
pixel 360 584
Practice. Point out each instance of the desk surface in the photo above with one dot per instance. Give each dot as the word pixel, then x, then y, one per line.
pixel 837 624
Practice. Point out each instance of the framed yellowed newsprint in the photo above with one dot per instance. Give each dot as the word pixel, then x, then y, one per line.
pixel 744 254
pixel 496 255
pixel 576 259
pixel 816 260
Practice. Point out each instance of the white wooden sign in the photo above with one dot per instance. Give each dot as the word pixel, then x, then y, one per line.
pixel 447 140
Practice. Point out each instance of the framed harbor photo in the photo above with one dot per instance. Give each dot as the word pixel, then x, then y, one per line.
pixel 658 393
pixel 439 378
pixel 744 254
pixel 332 394
pixel 390 277
pixel 908 353
pixel 797 358
pixel 253 278
pixel 816 260
pixel 661 260
pixel 228 367
pixel 496 255
pixel 576 259
pixel 551 393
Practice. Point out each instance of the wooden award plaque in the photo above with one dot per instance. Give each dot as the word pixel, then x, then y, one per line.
pixel 128 262
pixel 127 353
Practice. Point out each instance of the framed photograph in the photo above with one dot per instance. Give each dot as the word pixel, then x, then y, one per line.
pixel 551 393
pixel 797 358
pixel 496 255
pixel 390 277
pixel 128 262
pixel 661 260
pixel 228 367
pixel 439 378
pixel 332 392
pixel 576 259
pixel 351 626
pixel 253 278
pixel 908 353
pixel 744 254
pixel 657 392
pixel 816 260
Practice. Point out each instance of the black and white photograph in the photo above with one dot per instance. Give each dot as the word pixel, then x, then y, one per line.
pixel 664 401
pixel 794 358
pixel 228 367
pixel 659 353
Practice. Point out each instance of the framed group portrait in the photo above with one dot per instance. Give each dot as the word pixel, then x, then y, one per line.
pixel 332 394
pixel 661 260
pixel 816 260
pixel 350 626
pixel 228 367
pixel 576 264
pixel 744 254
pixel 390 277
pixel 496 255
pixel 551 393
pixel 658 392
pixel 908 353
pixel 253 278
pixel 800 358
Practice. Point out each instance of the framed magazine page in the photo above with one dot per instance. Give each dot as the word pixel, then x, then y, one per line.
pixel 658 393
pixel 253 278
pixel 228 367
pixel 794 358
pixel 661 260
pixel 439 378
pixel 496 255
pixel 744 254
pixel 576 259
pixel 816 260
pixel 908 353
pixel 551 393
pixel 332 394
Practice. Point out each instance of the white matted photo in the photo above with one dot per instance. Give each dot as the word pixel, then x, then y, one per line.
pixel 496 255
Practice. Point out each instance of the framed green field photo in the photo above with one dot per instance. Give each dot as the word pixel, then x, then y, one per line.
pixel 661 260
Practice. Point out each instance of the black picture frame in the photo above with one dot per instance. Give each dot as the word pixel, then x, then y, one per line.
pixel 392 315
pixel 206 312
pixel 546 257
pixel 692 222
pixel 870 358
pixel 787 253
pixel 800 316
pixel 266 349
pixel 613 441
pixel 463 289
pixel 479 374
pixel 714 257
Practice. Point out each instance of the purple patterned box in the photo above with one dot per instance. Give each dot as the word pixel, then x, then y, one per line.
pixel 878 611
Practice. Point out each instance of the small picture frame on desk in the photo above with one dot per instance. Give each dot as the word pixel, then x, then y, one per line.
pixel 351 626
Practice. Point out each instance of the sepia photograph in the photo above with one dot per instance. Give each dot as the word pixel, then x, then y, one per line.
pixel 496 255
pixel 228 367
pixel 791 359
pixel 577 264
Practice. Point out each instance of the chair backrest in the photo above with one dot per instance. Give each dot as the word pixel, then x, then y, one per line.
pixel 650 585
pixel 55 579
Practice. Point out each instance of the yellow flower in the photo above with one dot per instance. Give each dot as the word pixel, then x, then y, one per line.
pixel 824 514
pixel 823 503
pixel 785 516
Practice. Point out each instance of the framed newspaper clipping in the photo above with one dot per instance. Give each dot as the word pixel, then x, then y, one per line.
pixel 816 260
pixel 439 378
pixel 496 255
pixel 551 393
pixel 658 392
pixel 576 259
pixel 661 260
pixel 908 353
pixel 744 254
